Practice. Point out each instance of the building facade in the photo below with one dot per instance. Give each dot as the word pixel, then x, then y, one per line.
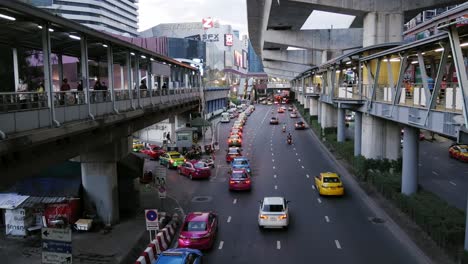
pixel 115 16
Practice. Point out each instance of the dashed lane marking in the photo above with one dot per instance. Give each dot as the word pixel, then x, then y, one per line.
pixel 297 154
pixel 307 175
pixel 274 167
pixel 235 201
pixel 302 167
pixel 435 173
pixel 276 187
pixel 222 243
pixel 327 219
pixel 299 160
pixel 278 244
pixel 229 219
pixel 318 199
pixel 313 187
pixel 454 184
pixel 337 243
pixel 272 160
pixel 294 148
pixel 274 176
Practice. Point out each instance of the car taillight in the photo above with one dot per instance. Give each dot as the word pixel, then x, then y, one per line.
pixel 247 181
pixel 283 217
pixel 263 217
pixel 172 161
pixel 182 236
pixel 240 140
pixel 229 141
pixel 231 182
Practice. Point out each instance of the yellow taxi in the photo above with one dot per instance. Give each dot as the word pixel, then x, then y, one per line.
pixel 329 183
pixel 137 145
pixel 171 159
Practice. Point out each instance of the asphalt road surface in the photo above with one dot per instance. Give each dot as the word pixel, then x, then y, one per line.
pixel 322 229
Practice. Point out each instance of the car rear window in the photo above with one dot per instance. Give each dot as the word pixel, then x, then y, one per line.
pixel 175 156
pixel 331 179
pixel 238 175
pixel 272 208
pixel 239 162
pixel 195 226
pixel 200 165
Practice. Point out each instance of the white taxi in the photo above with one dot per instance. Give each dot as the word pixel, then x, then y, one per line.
pixel 273 213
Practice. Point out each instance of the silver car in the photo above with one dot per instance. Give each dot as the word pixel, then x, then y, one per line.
pixel 273 213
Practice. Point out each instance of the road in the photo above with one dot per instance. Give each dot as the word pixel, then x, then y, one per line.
pixel 332 230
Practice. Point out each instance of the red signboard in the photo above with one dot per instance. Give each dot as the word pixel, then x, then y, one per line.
pixel 228 39
pixel 237 58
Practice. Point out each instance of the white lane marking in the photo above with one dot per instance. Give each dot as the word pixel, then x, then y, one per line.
pixel 299 160
pixel 276 187
pixel 313 187
pixel 222 243
pixel 274 167
pixel 327 219
pixel 278 244
pixel 235 201
pixel 272 154
pixel 454 184
pixel 274 176
pixel 271 149
pixel 302 167
pixel 271 145
pixel 337 243
pixel 229 219
pixel 318 199
pixel 307 175
pixel 435 173
pixel 297 154
pixel 272 160
pixel 294 148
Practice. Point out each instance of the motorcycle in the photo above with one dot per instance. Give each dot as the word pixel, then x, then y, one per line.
pixel 284 129
pixel 289 141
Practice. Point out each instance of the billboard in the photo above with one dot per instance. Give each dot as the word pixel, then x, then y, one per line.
pixel 244 59
pixel 228 40
pixel 207 23
pixel 237 58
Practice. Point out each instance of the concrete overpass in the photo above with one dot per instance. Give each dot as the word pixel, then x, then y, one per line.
pixel 275 25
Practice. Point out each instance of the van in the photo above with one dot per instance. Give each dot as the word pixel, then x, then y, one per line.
pixel 225 117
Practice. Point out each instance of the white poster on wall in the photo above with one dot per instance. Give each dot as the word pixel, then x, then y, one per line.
pixel 15 221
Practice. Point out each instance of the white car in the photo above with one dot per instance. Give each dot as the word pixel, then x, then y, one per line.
pixel 293 115
pixel 273 213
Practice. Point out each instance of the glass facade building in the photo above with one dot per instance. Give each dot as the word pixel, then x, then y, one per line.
pixel 115 16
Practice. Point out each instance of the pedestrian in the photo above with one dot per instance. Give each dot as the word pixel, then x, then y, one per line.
pixel 79 86
pixel 97 85
pixel 168 137
pixel 40 87
pixel 143 85
pixel 65 86
pixel 430 83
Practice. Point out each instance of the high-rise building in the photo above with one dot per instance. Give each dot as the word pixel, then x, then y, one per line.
pixel 115 16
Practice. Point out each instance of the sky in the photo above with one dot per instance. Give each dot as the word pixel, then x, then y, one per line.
pixel 229 12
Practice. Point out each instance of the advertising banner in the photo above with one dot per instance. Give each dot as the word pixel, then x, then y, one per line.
pixel 228 40
pixel 17 221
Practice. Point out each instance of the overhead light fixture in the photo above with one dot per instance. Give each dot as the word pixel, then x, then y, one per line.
pixel 395 60
pixel 354 68
pixel 143 56
pixel 348 63
pixel 424 53
pixel 338 71
pixel 7 17
pixel 51 30
pixel 131 53
pixel 74 37
pixel 151 59
pixel 104 45
pixel 414 62
pixel 439 50
pixel 39 26
pixel 464 44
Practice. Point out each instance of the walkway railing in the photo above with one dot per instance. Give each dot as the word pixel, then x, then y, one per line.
pixel 24 111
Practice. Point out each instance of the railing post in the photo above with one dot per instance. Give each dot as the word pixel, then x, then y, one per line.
pixel 46 51
pixel 110 74
pixel 138 76
pixel 85 72
pixel 128 63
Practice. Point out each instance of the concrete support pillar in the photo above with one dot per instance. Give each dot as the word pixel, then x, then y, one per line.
pixel 340 137
pixel 328 116
pixel 357 133
pixel 313 103
pixel 99 179
pixel 382 27
pixel 15 68
pixel 306 102
pixel 409 181
pixel 392 140
pixel 319 111
pixel 372 130
pixel 122 79
pixel 172 121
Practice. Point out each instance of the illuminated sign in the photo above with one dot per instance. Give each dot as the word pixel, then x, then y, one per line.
pixel 228 39
pixel 237 59
pixel 210 37
pixel 207 23
pixel 244 59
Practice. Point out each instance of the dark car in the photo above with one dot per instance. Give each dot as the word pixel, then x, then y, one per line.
pixel 299 125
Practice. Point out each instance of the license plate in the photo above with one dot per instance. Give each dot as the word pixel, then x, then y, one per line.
pixel 272 218
pixel 193 239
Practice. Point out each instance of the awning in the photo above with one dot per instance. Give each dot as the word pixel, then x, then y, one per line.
pixel 11 200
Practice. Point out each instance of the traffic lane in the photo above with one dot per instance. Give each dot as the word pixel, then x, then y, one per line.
pixel 442 175
pixel 352 215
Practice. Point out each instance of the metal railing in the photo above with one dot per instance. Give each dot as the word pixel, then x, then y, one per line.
pixel 350 92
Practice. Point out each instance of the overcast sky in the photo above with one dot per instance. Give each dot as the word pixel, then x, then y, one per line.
pixel 230 12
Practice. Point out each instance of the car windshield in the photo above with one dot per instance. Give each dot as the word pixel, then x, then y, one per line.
pixel 272 208
pixel 234 137
pixel 239 162
pixel 238 175
pixel 273 118
pixel 195 226
pixel 331 179
pixel 175 156
pixel 463 150
pixel 200 165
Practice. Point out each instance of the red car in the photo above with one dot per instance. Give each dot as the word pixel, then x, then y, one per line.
pixel 240 180
pixel 153 151
pixel 232 153
pixel 194 169
pixel 280 110
pixel 235 131
pixel 199 230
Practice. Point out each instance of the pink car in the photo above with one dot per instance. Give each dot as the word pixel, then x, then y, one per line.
pixel 240 180
pixel 199 230
pixel 194 169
